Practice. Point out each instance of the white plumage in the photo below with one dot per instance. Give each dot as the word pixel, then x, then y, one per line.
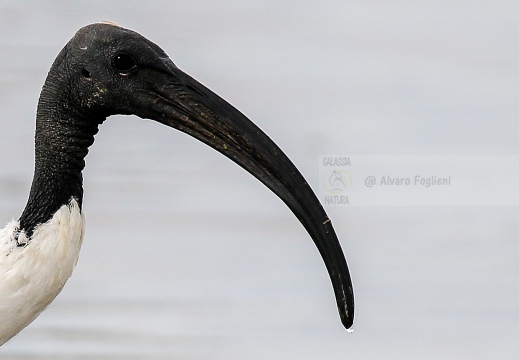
pixel 33 275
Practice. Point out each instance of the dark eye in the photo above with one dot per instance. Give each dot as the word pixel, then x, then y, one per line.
pixel 124 63
pixel 86 73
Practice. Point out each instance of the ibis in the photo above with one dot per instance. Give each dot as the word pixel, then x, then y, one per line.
pixel 106 70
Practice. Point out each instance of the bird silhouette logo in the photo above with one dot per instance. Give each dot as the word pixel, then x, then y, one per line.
pixel 337 181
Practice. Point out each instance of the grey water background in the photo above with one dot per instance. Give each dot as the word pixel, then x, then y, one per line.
pixel 186 256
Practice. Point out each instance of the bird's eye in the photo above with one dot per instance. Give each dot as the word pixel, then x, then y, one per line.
pixel 124 63
pixel 86 73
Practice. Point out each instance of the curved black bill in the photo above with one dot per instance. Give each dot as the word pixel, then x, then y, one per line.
pixel 185 104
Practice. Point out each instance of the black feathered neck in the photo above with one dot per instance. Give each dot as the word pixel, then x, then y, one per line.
pixel 65 128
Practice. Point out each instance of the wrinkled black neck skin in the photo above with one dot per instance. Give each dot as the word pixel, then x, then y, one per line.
pixel 65 128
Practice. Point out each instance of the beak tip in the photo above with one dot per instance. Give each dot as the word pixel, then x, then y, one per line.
pixel 347 318
pixel 346 310
pixel 347 321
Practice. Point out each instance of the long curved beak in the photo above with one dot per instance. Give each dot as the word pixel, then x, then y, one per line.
pixel 183 103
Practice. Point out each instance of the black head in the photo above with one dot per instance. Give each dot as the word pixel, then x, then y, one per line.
pixel 110 70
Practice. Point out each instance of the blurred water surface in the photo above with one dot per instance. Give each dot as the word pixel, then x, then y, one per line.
pixel 187 256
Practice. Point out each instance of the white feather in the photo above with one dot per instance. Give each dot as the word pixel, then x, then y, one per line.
pixel 33 275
